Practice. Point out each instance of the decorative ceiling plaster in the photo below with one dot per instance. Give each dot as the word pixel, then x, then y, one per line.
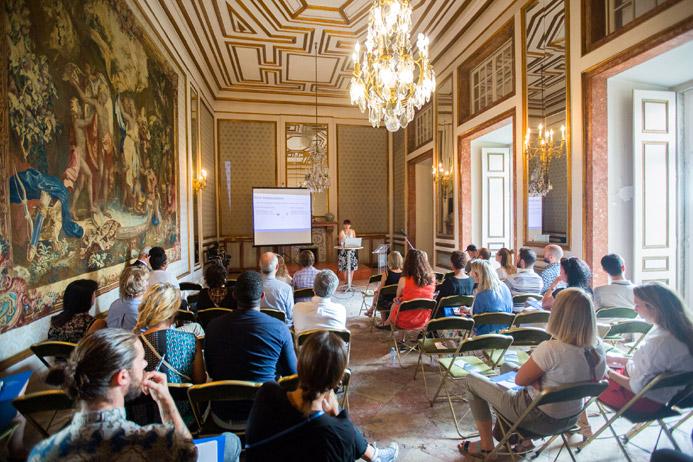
pixel 265 49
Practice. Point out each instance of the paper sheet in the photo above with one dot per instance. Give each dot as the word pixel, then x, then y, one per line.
pixel 207 451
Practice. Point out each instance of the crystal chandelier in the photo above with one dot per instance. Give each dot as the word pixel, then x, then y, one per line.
pixel 543 149
pixel 318 178
pixel 385 77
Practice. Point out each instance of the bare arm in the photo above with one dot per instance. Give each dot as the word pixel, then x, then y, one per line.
pixel 154 384
pixel 528 374
pixel 619 378
pixel 199 374
pixel 400 288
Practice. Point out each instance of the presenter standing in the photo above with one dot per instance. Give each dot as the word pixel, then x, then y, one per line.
pixel 347 260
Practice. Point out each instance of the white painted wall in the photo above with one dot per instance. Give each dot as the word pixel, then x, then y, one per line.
pixel 424 207
pixel 620 149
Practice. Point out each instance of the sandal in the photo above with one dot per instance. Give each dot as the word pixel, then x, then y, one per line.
pixel 481 455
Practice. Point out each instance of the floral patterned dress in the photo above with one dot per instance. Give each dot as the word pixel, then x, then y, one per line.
pixel 347 259
pixel 73 330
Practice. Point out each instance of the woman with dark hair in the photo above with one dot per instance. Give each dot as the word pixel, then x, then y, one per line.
pixel 74 321
pixel 504 257
pixel 417 281
pixel 667 347
pixel 573 273
pixel 458 283
pixel 216 294
pixel 306 423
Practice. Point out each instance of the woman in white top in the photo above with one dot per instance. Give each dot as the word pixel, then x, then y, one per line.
pixel 573 355
pixel 347 259
pixel 504 257
pixel 668 347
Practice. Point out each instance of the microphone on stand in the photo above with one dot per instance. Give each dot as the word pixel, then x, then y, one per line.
pixel 403 233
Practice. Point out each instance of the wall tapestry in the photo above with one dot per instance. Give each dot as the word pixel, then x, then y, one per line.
pixel 87 148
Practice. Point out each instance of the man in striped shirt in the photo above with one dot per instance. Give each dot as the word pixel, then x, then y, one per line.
pixel 525 281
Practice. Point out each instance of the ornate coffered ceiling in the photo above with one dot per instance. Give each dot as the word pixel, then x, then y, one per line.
pixel 265 49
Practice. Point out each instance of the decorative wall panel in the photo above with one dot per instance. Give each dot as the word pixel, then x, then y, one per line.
pixel 362 177
pixel 248 148
pixel 398 176
pixel 209 195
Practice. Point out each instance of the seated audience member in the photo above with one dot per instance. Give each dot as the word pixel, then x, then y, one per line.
pixel 74 321
pixel 321 312
pixel 304 277
pixel 620 291
pixel 525 280
pixel 574 273
pixel 668 347
pixel 484 254
pixel 159 263
pixel 552 257
pixel 216 294
pixel 473 254
pixel 574 354
pixel 278 295
pixel 282 271
pixel 417 281
pixel 307 423
pixel 123 311
pixel 142 259
pixel 391 276
pixel 457 284
pixel 105 370
pixel 181 351
pixel 247 344
pixel 491 295
pixel 504 258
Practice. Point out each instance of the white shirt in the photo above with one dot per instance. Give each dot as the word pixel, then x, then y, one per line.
pixel 563 363
pixel 659 352
pixel 319 313
pixel 161 276
pixel 618 293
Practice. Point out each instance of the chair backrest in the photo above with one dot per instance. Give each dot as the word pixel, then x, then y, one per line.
pixel 190 286
pixel 387 291
pixel 308 292
pixel 628 327
pixel 179 391
pixel 52 348
pixel 461 327
pixel 42 401
pixel 449 274
pixel 184 316
pixel 527 336
pixel 531 317
pixel 375 278
pixel 288 382
pixel 505 319
pixel 617 312
pixel 677 379
pixel 417 304
pixel 456 301
pixel 303 336
pixel 276 314
pixel 496 343
pixel 221 390
pixel 571 392
pixel 206 315
pixel 522 298
pixel 439 276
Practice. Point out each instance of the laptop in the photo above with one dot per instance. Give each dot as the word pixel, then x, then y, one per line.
pixel 352 242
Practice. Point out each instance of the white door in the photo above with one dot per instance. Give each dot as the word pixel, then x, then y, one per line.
pixel 495 198
pixel 654 182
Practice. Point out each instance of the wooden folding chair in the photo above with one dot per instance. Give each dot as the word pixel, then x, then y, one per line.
pixel 308 292
pixel 369 292
pixel 276 314
pixel 453 301
pixel 671 409
pixel 31 404
pixel 344 334
pixel 61 351
pixel 504 320
pixel 458 366
pixel 617 331
pixel 443 337
pixel 236 391
pixel 583 391
pixel 409 305
pixel 206 315
pixel 387 291
pixel 531 317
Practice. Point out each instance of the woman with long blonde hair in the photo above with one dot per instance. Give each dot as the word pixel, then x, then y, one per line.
pixel 491 295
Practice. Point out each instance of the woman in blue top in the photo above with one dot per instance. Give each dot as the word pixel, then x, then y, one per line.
pixel 491 295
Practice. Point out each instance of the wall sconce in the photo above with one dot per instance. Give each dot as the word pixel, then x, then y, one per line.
pixel 200 182
pixel 442 176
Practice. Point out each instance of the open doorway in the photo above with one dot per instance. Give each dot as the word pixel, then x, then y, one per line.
pixel 650 137
pixel 420 203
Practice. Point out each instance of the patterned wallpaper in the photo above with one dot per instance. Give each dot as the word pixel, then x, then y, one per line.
pixel 209 206
pixel 251 149
pixel 399 174
pixel 555 216
pixel 362 177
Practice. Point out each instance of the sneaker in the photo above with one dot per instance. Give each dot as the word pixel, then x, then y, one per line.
pixel 387 454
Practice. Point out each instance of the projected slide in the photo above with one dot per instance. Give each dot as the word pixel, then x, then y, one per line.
pixel 281 216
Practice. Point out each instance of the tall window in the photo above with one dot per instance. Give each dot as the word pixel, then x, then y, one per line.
pixel 492 79
pixel 622 12
pixel 423 126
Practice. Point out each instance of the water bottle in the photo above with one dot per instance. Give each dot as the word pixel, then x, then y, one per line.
pixel 393 357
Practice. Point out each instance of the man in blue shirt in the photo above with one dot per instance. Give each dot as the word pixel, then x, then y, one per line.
pixel 247 345
pixel 278 295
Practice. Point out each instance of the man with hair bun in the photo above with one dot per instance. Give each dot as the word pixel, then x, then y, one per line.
pixel 104 371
